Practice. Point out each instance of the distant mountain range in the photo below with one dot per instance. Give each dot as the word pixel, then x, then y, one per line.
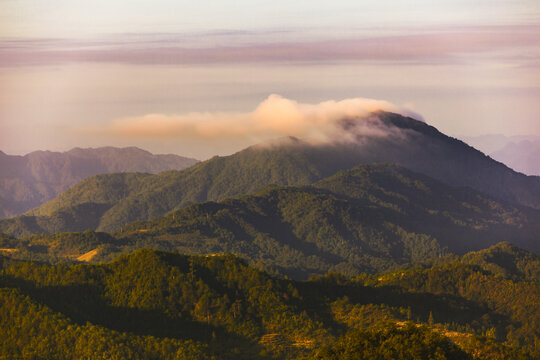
pixel 29 181
pixel 521 153
pixel 523 156
pixel 108 202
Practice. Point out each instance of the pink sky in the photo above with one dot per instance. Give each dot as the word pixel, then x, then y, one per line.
pixel 468 68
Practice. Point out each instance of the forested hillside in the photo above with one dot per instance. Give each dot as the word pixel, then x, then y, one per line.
pixel 367 219
pixel 170 306
pixel 404 141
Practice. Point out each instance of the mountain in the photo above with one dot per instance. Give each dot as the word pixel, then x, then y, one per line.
pixel 393 138
pixel 521 153
pixel 491 143
pixel 367 219
pixel 291 162
pixel 363 220
pixel 506 260
pixel 153 304
pixel 29 181
pixel 523 156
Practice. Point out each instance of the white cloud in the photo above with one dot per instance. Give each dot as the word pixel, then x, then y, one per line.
pixel 274 117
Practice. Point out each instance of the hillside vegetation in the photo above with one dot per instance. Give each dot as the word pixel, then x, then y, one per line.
pixel 154 304
pixel 409 143
pixel 368 219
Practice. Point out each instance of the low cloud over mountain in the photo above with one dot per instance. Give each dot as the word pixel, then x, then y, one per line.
pixel 276 116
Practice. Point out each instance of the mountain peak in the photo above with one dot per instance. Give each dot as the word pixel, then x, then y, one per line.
pixel 407 142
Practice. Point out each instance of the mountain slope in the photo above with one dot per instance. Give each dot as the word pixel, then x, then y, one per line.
pixel 366 219
pixel 153 304
pixel 404 141
pixel 30 180
pixel 245 172
pixel 506 260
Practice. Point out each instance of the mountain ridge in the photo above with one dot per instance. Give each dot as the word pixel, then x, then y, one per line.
pixel 367 219
pixel 404 141
pixel 30 180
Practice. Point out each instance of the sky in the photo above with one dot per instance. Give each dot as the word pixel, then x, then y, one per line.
pixel 190 77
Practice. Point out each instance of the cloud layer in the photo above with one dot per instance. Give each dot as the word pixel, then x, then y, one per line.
pixel 275 117
pixel 423 46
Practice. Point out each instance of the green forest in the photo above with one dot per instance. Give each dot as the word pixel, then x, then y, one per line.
pixel 286 251
pixel 371 218
pixel 163 305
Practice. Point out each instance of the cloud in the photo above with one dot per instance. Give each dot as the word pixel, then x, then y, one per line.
pixel 274 117
pixel 422 46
